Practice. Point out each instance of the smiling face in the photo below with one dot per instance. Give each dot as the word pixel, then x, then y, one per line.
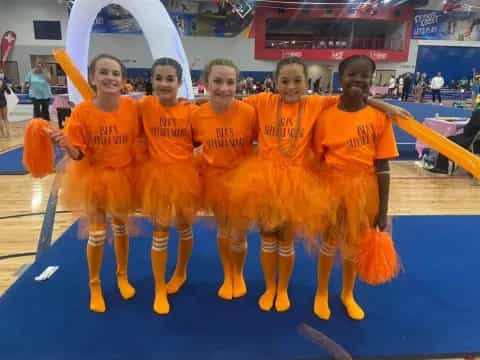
pixel 222 84
pixel 291 82
pixel 38 68
pixel 107 76
pixel 166 83
pixel 356 78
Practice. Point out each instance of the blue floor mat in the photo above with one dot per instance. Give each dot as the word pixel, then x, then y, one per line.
pixel 431 310
pixel 11 161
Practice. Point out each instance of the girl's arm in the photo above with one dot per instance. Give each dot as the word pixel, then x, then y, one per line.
pixel 389 109
pixel 47 75
pixel 383 177
pixel 61 140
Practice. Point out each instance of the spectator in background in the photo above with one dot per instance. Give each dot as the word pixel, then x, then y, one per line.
pixel 4 128
pixel 418 77
pixel 148 87
pixel 268 84
pixel 400 87
pixel 436 84
pixel 38 82
pixel 420 88
pixel 475 89
pixel 2 75
pixel 128 87
pixel 407 86
pixel 464 83
pixel 316 86
pixel 391 86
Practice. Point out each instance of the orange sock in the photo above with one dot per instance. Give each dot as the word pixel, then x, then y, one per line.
pixel 268 258
pixel 349 275
pixel 238 253
pixel 286 260
pixel 159 255
pixel 96 241
pixel 121 244
pixel 326 259
pixel 185 244
pixel 223 242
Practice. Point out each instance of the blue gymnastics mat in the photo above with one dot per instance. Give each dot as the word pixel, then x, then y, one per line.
pixel 431 310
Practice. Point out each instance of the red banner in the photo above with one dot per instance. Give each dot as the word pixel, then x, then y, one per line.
pixel 7 44
pixel 330 54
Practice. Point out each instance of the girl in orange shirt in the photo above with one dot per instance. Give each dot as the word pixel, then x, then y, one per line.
pixel 277 190
pixel 355 141
pixel 168 179
pixel 225 128
pixel 100 137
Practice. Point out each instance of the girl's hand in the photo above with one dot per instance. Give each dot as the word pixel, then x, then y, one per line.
pixel 381 222
pixel 397 111
pixel 58 137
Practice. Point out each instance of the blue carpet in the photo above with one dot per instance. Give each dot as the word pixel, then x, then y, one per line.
pixel 431 310
pixel 11 161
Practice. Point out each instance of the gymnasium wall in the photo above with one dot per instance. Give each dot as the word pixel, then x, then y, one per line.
pixel 18 15
pixel 455 60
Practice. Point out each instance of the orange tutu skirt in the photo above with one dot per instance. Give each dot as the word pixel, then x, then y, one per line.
pixel 169 193
pixel 215 195
pixel 273 195
pixel 89 189
pixel 356 201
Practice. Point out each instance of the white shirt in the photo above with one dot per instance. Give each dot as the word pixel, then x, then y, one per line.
pixel 391 83
pixel 437 82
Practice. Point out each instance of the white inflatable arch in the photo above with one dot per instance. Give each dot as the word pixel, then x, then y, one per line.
pixel 157 27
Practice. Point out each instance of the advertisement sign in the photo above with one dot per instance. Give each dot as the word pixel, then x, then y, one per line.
pixel 455 25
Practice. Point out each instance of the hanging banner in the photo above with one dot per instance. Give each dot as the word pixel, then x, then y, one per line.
pixel 6 46
pixel 226 18
pixel 454 25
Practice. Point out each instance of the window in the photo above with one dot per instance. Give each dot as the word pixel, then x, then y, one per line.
pixel 47 30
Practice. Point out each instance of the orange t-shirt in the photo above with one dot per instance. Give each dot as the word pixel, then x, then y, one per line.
pixel 105 138
pixel 288 135
pixel 352 140
pixel 226 138
pixel 168 129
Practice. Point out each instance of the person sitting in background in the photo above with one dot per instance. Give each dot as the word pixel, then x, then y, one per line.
pixel 464 140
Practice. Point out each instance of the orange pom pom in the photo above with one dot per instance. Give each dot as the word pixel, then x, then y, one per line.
pixel 38 155
pixel 378 261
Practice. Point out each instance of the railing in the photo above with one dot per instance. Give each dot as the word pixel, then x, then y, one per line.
pixel 337 43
